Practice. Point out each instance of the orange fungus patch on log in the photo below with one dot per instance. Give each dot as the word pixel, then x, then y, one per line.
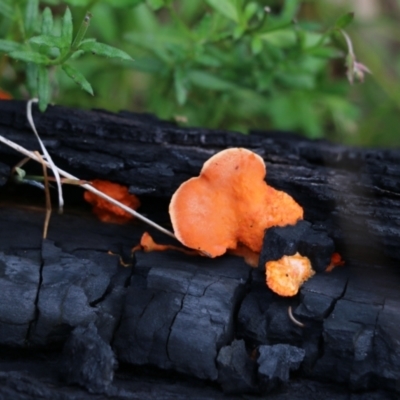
pixel 230 203
pixel 106 211
pixel 5 95
pixel 286 275
pixel 336 261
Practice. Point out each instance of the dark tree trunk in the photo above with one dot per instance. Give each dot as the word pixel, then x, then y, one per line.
pixel 188 314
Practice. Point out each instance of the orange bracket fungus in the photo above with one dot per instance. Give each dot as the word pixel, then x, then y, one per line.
pixel 229 204
pixel 106 211
pixel 286 275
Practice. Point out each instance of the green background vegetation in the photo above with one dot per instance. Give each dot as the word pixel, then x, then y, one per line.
pixel 227 64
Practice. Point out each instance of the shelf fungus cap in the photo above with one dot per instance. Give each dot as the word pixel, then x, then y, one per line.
pixel 286 275
pixel 229 203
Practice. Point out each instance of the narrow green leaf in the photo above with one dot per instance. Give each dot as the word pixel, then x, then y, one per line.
pixel 29 56
pixel 32 78
pixel 76 76
pixel 47 22
pixel 180 87
pixel 155 4
pixel 226 8
pixel 77 54
pixel 75 3
pixel 250 10
pixel 8 45
pixel 67 27
pixel 104 50
pixel 256 45
pixel 290 9
pixel 209 81
pixel 344 20
pixel 82 31
pixel 124 3
pixel 47 40
pixel 6 9
pixel 282 38
pixel 89 40
pixel 31 15
pixel 44 92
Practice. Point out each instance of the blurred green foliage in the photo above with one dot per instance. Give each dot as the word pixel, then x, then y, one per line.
pixel 228 64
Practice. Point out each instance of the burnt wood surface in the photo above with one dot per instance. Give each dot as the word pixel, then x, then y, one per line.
pixel 198 319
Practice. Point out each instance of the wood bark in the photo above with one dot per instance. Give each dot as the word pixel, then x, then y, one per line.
pixel 191 315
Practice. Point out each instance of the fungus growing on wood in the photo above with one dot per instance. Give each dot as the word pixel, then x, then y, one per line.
pixel 286 275
pixel 147 244
pixel 229 203
pixel 5 95
pixel 106 211
pixel 336 261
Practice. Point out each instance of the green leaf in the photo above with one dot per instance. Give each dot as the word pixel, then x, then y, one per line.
pixel 123 3
pixel 250 10
pixel 47 22
pixel 209 81
pixel 31 15
pixel 29 56
pixel 67 27
pixel 226 8
pixel 32 78
pixel 77 54
pixel 76 76
pixel 44 92
pixel 89 40
pixel 104 50
pixel 6 9
pixel 155 4
pixel 7 46
pixel 78 3
pixel 256 45
pixel 180 87
pixel 290 9
pixel 282 38
pixel 344 20
pixel 48 41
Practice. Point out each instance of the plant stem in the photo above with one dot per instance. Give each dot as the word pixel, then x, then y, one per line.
pixel 82 31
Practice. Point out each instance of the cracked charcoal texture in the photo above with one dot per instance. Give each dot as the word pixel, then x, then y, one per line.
pixel 184 315
pixel 236 370
pixel 275 363
pixel 173 314
pixel 87 360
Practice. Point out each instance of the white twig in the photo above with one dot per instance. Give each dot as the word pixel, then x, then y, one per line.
pixel 86 186
pixel 294 320
pixel 53 167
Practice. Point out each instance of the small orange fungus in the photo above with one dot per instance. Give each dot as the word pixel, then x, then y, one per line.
pixel 336 261
pixel 106 211
pixel 5 95
pixel 285 276
pixel 147 244
pixel 229 203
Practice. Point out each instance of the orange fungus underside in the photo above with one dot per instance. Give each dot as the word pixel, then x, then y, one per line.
pixel 106 211
pixel 230 203
pixel 286 275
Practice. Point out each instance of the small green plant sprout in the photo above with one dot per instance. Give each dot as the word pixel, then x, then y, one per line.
pixel 42 47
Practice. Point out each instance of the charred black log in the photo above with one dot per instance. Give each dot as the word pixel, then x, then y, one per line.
pixel 354 192
pixel 192 316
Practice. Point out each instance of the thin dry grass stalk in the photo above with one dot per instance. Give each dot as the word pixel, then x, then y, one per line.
pixel 86 186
